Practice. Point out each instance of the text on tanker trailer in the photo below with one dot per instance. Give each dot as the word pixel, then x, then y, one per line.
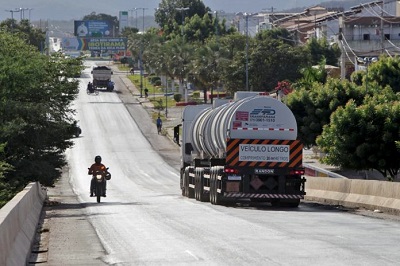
pixel 244 149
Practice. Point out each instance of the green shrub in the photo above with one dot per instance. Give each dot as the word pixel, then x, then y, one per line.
pixel 177 97
pixel 158 105
pixel 196 95
pixel 155 79
pixel 157 83
pixel 124 60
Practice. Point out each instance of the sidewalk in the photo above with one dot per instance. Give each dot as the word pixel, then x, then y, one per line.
pixel 174 112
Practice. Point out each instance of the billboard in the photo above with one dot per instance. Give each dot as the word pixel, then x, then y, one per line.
pixel 93 28
pixel 123 20
pixel 94 44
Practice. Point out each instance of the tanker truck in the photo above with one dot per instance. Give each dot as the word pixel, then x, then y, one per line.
pixel 245 149
pixel 102 77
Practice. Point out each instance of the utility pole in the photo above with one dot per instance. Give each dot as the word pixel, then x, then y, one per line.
pixel 342 55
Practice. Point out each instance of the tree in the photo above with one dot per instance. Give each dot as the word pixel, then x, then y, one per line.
pixel 313 74
pixel 273 59
pixel 129 31
pixel 181 56
pixel 36 93
pixel 24 30
pixel 386 72
pixel 364 136
pixel 169 17
pixel 320 49
pixel 313 106
pixel 6 191
pixel 159 58
pixel 207 64
pixel 198 29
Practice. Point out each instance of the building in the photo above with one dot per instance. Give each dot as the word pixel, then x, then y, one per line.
pixel 365 31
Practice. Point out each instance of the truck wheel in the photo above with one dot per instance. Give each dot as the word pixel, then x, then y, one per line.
pixel 185 190
pixel 199 185
pixel 275 203
pixel 189 192
pixel 202 195
pixel 212 185
pixel 215 198
pixel 196 185
pixel 290 203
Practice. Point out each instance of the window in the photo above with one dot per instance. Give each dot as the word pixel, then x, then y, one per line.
pixel 366 37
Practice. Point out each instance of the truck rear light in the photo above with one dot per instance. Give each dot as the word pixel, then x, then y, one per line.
pixel 231 171
pixel 297 172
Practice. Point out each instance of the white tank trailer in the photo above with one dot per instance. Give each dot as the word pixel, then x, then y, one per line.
pixel 245 149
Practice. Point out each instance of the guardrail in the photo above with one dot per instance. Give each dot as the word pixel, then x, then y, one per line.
pixel 371 194
pixel 18 222
pixel 312 170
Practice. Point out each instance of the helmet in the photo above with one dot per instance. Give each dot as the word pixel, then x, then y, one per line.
pixel 97 159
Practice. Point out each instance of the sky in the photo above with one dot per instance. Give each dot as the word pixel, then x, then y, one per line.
pixel 76 9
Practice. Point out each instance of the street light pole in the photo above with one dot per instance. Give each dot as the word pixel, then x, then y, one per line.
pixel 183 9
pixel 131 20
pixel 166 100
pixel 247 50
pixel 12 16
pixel 366 61
pixel 141 53
pixel 29 10
pixel 12 12
pixel 217 41
pixel 216 12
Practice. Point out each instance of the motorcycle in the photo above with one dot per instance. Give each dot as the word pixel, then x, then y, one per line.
pixel 92 91
pixel 100 178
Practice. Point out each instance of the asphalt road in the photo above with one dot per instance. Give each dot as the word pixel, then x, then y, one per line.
pixel 145 221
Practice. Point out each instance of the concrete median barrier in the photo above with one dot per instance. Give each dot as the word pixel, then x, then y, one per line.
pixel 18 222
pixel 370 194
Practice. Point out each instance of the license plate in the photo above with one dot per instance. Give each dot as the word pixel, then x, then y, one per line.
pixel 234 177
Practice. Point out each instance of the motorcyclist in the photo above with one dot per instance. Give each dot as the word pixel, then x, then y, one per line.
pixel 110 85
pixel 90 87
pixel 97 166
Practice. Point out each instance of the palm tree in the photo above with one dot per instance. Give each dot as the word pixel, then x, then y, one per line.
pixel 207 65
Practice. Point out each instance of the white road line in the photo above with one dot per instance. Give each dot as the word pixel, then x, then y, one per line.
pixel 191 254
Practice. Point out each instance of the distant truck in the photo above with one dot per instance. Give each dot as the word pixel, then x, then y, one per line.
pixel 246 149
pixel 102 77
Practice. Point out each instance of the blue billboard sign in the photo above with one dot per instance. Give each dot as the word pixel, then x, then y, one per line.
pixel 93 28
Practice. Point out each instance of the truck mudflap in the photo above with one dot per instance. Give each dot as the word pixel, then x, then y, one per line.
pixel 260 196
